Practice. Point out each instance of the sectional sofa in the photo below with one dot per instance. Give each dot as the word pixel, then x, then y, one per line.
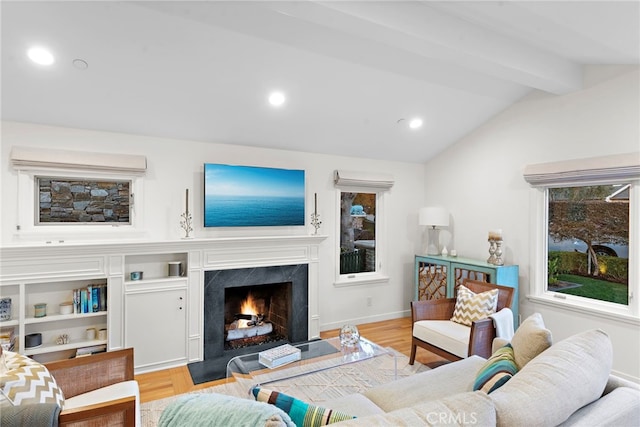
pixel 568 383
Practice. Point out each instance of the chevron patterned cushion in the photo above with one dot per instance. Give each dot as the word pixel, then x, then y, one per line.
pixel 26 381
pixel 471 306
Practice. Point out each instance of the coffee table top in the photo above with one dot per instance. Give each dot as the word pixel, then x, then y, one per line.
pixel 315 356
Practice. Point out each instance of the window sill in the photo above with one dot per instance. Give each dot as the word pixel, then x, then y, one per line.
pixel 361 279
pixel 573 305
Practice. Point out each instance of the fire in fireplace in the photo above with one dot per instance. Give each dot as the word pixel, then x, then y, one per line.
pixel 256 314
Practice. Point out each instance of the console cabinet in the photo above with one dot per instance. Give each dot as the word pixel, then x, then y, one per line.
pixel 437 276
pixel 155 310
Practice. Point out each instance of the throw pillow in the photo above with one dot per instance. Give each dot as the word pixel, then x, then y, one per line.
pixel 219 410
pixel 471 306
pixel 499 369
pixel 27 381
pixel 302 413
pixel 530 339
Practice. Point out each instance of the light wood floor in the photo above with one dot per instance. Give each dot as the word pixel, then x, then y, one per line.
pixel 394 333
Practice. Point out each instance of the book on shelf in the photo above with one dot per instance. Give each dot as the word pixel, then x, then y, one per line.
pixel 279 356
pixel 91 299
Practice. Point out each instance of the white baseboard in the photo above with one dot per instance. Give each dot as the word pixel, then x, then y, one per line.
pixel 366 319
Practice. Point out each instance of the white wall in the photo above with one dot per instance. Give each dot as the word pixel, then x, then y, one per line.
pixel 175 165
pixel 480 181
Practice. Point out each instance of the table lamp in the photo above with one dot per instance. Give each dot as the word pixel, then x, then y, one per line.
pixel 434 217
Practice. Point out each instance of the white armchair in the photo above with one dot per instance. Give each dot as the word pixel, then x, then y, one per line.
pixel 434 331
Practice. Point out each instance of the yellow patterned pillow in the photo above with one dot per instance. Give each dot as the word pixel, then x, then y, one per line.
pixel 471 306
pixel 27 381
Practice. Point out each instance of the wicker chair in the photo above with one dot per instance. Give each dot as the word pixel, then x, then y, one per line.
pixel 480 335
pixel 99 390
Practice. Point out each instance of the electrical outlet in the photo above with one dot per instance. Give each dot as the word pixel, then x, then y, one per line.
pixel 369 301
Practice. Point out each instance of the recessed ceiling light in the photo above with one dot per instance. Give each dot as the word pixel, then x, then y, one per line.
pixel 40 55
pixel 80 64
pixel 415 123
pixel 276 99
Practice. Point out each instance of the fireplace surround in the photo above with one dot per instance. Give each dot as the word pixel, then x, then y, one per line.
pixel 215 283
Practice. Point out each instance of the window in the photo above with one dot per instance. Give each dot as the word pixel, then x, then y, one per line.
pixel 357 232
pixel 82 201
pixel 587 235
pixel 64 194
pixel 588 242
pixel 360 227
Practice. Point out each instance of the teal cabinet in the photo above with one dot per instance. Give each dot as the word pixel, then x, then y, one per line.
pixel 437 276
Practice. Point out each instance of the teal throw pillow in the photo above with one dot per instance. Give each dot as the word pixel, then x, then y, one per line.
pixel 302 413
pixel 498 369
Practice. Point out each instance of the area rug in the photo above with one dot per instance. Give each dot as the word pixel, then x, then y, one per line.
pixel 316 388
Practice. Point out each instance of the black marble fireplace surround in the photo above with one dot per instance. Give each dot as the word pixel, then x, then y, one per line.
pixel 215 356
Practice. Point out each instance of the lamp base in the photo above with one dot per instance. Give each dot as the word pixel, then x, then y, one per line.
pixel 434 242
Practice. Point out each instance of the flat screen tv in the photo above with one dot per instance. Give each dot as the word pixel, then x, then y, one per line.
pixel 250 196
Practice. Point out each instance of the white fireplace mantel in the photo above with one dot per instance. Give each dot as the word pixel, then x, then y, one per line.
pixel 58 262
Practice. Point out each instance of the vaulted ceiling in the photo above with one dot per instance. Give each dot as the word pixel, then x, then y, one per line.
pixel 354 72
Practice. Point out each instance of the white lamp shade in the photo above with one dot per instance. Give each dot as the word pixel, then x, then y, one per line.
pixel 434 216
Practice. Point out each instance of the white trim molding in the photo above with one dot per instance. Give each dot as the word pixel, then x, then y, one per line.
pixel 26 158
pixel 593 169
pixel 363 179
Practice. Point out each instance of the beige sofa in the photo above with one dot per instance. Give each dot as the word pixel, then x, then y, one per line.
pixel 568 383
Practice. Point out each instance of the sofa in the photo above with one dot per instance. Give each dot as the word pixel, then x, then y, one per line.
pixel 568 383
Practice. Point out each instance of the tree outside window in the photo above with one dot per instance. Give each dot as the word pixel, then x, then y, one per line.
pixel 588 241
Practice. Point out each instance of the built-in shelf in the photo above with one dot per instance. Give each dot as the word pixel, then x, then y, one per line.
pixel 49 348
pixel 57 317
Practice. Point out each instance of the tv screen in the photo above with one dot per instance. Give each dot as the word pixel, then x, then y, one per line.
pixel 250 196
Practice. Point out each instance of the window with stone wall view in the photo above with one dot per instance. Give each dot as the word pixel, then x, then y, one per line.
pixel 588 242
pixel 83 201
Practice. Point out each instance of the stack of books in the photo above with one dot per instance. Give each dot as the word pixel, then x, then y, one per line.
pixel 91 299
pixel 7 338
pixel 279 356
pixel 88 351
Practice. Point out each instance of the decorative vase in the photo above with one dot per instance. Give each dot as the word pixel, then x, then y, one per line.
pixel 349 336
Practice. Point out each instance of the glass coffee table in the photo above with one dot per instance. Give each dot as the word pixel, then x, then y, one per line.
pixel 316 356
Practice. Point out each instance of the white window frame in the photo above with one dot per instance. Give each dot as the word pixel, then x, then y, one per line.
pixel 380 275
pixel 27 228
pixel 539 252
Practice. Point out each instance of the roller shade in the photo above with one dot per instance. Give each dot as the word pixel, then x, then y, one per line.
pixel 35 158
pixel 362 179
pixel 619 166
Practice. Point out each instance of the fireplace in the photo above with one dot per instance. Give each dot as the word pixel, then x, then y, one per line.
pixel 275 287
pixel 256 314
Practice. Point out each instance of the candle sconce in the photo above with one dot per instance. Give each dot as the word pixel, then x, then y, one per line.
pixel 186 224
pixel 315 216
pixel 187 220
pixel 315 221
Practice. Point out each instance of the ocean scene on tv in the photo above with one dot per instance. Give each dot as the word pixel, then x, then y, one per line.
pixel 249 196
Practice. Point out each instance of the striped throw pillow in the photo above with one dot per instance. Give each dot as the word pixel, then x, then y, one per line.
pixel 498 369
pixel 27 381
pixel 471 306
pixel 302 414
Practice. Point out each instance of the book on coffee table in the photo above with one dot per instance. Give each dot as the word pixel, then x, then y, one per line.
pixel 279 356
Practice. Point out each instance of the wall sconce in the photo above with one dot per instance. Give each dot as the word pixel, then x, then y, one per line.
pixel 433 217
